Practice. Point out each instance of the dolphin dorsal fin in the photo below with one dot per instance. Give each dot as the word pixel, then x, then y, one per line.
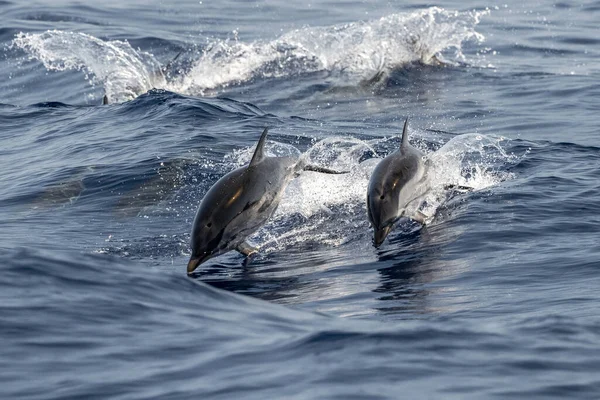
pixel 259 153
pixel 405 135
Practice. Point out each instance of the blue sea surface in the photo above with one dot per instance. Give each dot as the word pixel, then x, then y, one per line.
pixel 497 297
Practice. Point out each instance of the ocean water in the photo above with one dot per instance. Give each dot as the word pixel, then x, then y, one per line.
pixel 497 297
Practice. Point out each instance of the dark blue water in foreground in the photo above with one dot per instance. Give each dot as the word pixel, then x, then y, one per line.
pixel 498 297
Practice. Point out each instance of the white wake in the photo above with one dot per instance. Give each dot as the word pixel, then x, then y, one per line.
pixel 332 208
pixel 352 53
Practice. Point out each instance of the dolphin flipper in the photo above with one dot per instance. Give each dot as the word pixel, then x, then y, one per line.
pixel 323 170
pixel 419 217
pixel 246 249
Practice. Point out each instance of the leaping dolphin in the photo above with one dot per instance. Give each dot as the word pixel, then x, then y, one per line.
pixel 239 203
pixel 396 188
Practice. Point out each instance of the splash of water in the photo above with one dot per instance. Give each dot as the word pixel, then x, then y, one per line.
pixel 124 72
pixel 352 53
pixel 322 211
pixel 468 160
pixel 331 209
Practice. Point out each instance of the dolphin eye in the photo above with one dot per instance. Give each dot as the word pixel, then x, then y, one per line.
pixel 209 225
pixel 382 197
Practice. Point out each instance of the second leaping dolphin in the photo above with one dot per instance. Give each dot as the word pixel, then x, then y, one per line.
pixel 239 203
pixel 396 188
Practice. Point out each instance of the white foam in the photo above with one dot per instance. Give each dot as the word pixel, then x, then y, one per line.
pixel 469 160
pixel 124 72
pixel 313 192
pixel 332 208
pixel 352 53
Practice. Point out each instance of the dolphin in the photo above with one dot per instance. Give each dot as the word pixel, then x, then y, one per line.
pixel 239 203
pixel 396 188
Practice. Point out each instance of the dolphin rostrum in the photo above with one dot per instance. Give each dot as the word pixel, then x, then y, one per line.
pixel 239 203
pixel 396 188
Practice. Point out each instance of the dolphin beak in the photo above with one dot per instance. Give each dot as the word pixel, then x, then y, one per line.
pixel 192 265
pixel 380 235
pixel 195 262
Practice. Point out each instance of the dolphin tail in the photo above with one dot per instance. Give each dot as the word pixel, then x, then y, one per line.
pixel 405 134
pixel 323 170
pixel 376 79
pixel 164 70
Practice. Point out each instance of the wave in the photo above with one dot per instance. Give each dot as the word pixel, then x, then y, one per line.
pixel 124 72
pixel 351 53
pixel 64 312
pixel 317 211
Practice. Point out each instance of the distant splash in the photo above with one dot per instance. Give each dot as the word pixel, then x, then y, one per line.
pixel 352 53
pixel 124 72
pixel 356 51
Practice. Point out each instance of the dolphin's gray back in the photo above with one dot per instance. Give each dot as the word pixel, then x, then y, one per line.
pixel 243 200
pixel 394 184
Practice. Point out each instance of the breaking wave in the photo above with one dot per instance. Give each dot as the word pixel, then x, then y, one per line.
pixel 352 53
pixel 124 72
